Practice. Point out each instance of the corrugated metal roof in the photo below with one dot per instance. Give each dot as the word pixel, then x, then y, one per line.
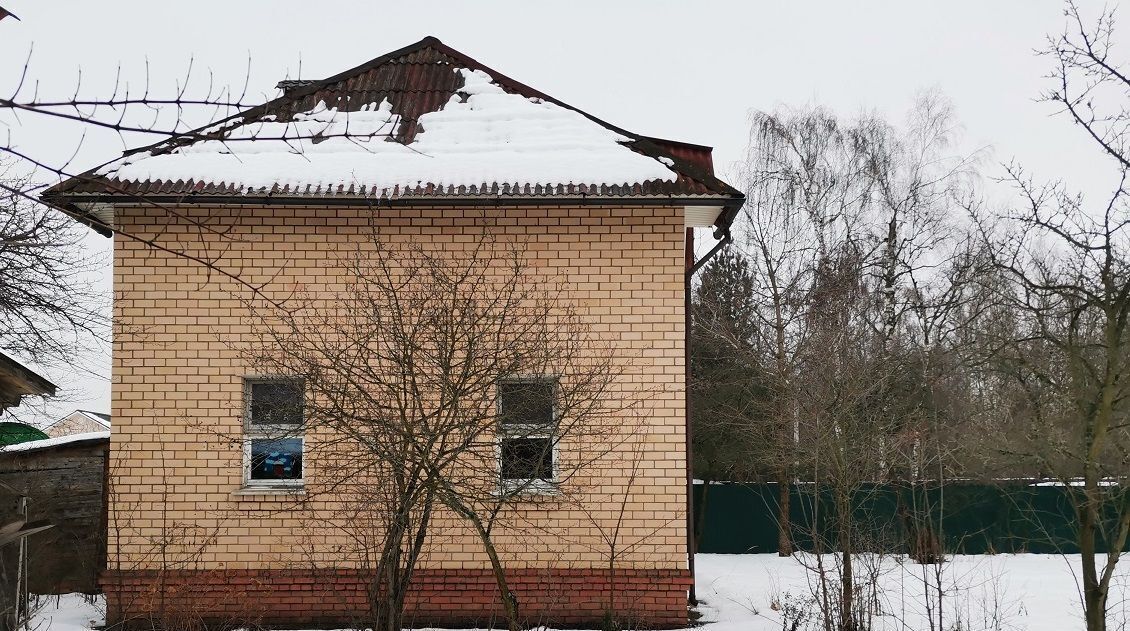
pixel 415 80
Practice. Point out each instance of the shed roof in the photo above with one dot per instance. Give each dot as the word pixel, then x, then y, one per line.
pixel 73 440
pixel 420 124
pixel 18 381
pixel 13 433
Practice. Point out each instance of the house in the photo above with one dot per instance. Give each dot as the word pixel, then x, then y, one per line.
pixel 442 147
pixel 18 381
pixel 79 422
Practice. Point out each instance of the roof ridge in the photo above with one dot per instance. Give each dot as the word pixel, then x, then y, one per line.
pixel 385 58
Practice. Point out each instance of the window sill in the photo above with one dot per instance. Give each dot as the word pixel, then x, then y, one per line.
pixel 529 489
pixel 258 492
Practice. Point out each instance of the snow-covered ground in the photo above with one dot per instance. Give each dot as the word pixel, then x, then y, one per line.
pixel 758 592
pixel 69 612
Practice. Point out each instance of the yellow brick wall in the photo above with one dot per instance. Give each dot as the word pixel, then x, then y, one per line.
pixel 177 383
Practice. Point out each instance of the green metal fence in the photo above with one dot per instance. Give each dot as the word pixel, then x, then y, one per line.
pixel 739 518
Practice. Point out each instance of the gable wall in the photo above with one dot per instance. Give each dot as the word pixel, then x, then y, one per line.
pixel 75 423
pixel 177 383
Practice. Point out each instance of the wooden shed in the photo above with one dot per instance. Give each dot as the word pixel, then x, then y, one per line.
pixel 64 481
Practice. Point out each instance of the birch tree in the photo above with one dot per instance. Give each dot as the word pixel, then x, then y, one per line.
pixel 803 187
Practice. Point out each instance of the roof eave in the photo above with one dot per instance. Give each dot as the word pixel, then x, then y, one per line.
pixel 404 200
pixel 69 203
pixel 92 416
pixel 63 204
pixel 29 382
pixel 727 216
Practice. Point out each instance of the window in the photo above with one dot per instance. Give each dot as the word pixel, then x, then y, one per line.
pixel 526 435
pixel 273 436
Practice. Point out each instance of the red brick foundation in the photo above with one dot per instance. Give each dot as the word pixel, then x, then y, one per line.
pixel 329 598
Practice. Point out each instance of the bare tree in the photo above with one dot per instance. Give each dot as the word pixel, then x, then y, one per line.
pixel 616 539
pixel 861 283
pixel 1066 345
pixel 803 183
pixel 49 307
pixel 146 117
pixel 443 376
pixel 131 112
pixel 1071 295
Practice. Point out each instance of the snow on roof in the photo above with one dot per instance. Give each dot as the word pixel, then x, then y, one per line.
pixel 419 125
pixel 54 442
pixel 483 134
pixel 97 417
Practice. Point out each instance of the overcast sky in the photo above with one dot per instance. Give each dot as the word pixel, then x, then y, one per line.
pixel 690 71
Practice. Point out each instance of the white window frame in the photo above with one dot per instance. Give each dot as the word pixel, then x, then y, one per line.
pixel 528 486
pixel 261 432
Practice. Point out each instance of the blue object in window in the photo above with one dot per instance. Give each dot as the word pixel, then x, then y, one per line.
pixel 276 459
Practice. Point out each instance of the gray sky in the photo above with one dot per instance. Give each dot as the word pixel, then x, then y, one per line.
pixel 690 71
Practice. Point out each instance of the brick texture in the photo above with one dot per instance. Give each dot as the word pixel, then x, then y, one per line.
pixel 340 598
pixel 176 401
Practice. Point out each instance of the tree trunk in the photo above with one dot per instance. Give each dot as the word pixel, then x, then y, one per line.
pixel 611 619
pixel 387 593
pixel 847 577
pixel 788 431
pixel 509 600
pixel 847 593
pixel 387 601
pixel 401 546
pixel 1095 604
pixel 1094 595
pixel 784 525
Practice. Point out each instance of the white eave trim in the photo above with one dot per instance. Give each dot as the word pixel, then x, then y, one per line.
pixel 101 211
pixel 700 216
pixel 693 216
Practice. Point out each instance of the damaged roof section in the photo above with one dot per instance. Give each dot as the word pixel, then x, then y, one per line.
pixel 422 123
